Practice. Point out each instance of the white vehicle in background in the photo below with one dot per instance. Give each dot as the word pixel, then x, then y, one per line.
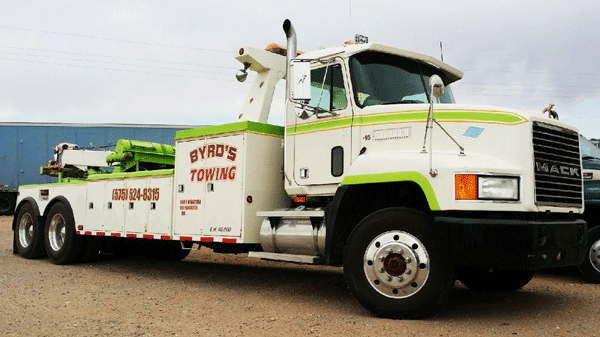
pixel 376 170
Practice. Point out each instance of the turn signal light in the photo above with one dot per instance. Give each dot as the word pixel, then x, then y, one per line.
pixel 465 186
pixel 300 199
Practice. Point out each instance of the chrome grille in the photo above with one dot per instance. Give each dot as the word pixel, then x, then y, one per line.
pixel 557 166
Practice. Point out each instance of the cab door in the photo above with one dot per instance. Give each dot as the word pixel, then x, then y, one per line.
pixel 323 140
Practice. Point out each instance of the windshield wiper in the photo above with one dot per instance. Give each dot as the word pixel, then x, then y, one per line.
pixel 404 101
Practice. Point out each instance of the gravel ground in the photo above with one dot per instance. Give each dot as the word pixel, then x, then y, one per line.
pixel 220 295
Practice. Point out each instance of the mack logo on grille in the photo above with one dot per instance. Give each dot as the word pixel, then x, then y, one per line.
pixel 557 169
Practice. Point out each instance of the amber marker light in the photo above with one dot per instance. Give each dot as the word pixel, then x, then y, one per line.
pixel 465 186
pixel 300 199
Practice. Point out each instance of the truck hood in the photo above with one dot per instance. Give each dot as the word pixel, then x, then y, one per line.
pixel 462 113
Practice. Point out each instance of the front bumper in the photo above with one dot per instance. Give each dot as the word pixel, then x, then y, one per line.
pixel 515 244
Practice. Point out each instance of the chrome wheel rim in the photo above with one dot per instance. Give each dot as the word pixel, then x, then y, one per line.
pixel 56 232
pixel 396 264
pixel 26 230
pixel 594 255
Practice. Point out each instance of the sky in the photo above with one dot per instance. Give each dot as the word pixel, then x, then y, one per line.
pixel 172 62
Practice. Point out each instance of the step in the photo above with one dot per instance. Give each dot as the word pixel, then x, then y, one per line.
pixel 306 259
pixel 298 212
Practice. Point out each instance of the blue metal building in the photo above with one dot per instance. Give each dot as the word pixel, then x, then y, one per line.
pixel 24 147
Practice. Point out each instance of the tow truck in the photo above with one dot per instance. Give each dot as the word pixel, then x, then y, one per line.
pixel 376 170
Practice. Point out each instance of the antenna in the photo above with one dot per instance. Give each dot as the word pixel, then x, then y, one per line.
pixel 441 52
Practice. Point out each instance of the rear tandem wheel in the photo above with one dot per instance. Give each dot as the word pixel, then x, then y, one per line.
pixel 29 232
pixel 63 245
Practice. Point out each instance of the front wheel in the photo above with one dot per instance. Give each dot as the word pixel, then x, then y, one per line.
pixel 488 280
pixel 395 265
pixel 63 245
pixel 590 268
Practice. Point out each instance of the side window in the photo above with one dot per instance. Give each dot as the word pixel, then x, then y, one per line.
pixel 328 95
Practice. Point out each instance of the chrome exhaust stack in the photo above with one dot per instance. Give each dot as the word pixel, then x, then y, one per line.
pixel 290 34
pixel 292 42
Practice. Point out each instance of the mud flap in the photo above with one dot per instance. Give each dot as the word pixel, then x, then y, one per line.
pixel 15 251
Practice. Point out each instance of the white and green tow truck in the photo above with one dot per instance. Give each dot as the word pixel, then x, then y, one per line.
pixel 376 170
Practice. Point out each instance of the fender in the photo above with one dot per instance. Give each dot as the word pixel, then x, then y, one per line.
pixel 348 208
pixel 18 209
pixel 59 198
pixel 412 176
pixel 392 167
pixel 388 169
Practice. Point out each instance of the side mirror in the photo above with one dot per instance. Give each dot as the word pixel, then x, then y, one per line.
pixel 300 88
pixel 437 86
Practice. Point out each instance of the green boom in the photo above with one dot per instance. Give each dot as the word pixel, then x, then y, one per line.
pixel 141 155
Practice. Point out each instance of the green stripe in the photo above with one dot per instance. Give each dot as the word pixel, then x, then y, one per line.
pixel 445 116
pixel 124 175
pixel 230 128
pixel 72 182
pixel 327 124
pixel 415 177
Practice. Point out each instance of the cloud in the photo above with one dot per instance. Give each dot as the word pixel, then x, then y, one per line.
pixel 173 62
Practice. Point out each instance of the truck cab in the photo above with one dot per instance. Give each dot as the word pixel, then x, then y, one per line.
pixel 354 90
pixel 378 146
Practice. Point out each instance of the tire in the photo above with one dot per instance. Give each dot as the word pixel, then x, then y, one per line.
pixel 62 244
pixel 590 268
pixel 489 280
pixel 165 250
pixel 7 203
pixel 396 266
pixel 29 232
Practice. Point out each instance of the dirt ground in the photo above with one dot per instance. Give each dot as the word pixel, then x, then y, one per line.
pixel 210 294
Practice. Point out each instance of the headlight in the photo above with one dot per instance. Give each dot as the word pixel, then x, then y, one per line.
pixel 498 188
pixel 485 187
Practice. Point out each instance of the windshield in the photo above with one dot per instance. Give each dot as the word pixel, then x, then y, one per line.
pixel 380 79
pixel 588 149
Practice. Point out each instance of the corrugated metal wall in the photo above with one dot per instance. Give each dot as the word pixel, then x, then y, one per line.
pixel 24 148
